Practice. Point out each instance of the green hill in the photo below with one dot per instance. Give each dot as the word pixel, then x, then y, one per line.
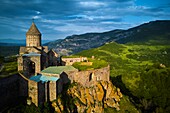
pixel 142 73
pixel 9 50
pixel 125 58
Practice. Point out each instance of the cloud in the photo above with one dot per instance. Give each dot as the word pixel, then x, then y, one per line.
pixel 124 0
pixel 93 4
pixel 37 12
pixel 80 16
pixel 65 17
pixel 36 17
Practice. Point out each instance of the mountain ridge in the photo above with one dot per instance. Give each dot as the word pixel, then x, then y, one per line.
pixel 153 32
pixel 16 42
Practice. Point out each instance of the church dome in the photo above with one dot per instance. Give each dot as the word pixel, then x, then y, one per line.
pixel 33 30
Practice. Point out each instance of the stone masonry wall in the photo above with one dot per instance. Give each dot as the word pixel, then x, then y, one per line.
pixel 9 91
pixel 53 90
pixel 33 91
pixel 38 92
pixel 20 63
pixel 33 40
pixel 51 74
pixel 86 77
pixel 70 61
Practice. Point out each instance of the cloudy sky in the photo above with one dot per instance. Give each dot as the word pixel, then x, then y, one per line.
pixel 57 19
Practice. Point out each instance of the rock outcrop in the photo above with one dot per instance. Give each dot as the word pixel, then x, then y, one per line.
pixel 99 95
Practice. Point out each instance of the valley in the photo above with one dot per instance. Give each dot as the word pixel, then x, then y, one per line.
pixel 139 60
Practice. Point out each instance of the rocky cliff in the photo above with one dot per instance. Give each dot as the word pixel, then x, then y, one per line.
pixel 99 95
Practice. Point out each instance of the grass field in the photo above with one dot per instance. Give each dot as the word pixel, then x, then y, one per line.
pixel 8 66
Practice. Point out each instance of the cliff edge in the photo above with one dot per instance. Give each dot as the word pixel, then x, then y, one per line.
pixel 99 95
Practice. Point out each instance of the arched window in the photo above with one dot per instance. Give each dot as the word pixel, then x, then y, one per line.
pixel 91 76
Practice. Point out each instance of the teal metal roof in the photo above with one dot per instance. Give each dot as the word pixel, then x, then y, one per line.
pixel 43 78
pixel 58 69
pixel 32 54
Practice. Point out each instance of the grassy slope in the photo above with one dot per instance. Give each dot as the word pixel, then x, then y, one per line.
pixel 8 66
pixel 127 61
pixel 130 57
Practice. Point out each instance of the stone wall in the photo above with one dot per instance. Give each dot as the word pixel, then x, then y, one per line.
pixel 41 62
pixel 20 63
pixel 9 91
pixel 33 40
pixel 70 61
pixel 27 49
pixel 83 77
pixel 89 76
pixel 26 65
pixel 30 88
pixel 53 58
pixel 51 74
pixel 33 91
pixel 41 92
pixel 53 90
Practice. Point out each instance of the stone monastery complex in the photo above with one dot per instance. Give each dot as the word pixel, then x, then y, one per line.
pixel 43 73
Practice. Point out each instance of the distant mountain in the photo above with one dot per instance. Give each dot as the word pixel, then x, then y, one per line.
pixel 10 47
pixel 12 42
pixel 16 42
pixel 77 43
pixel 157 32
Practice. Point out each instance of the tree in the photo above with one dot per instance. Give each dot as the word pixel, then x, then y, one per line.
pixel 154 89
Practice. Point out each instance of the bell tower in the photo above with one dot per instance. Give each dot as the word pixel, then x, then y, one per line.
pixel 33 36
pixel 33 57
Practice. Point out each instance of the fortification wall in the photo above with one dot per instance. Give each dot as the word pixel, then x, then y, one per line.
pixel 41 92
pixel 87 77
pixel 33 91
pixel 9 91
pixel 30 88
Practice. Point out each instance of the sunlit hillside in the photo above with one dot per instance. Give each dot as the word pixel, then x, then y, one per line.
pixel 142 73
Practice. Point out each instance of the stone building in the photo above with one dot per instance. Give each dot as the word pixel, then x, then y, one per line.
pixel 43 73
pixel 70 61
pixel 33 57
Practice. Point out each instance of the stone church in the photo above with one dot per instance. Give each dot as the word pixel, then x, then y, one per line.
pixel 34 57
pixel 43 73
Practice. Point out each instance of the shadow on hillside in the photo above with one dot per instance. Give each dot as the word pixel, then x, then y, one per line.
pixel 117 81
pixel 68 102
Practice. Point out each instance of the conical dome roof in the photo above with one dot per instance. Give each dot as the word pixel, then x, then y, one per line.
pixel 33 30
